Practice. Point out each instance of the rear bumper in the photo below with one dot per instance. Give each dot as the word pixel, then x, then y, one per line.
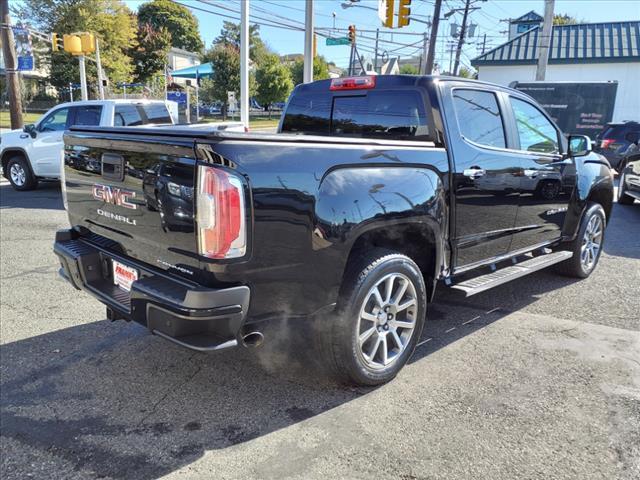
pixel 195 317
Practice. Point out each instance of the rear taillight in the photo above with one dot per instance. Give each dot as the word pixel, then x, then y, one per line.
pixel 220 214
pixel 353 83
pixel 606 142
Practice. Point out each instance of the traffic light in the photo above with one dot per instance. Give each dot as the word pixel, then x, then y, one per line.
pixel 352 33
pixel 403 13
pixel 72 44
pixel 54 42
pixel 88 41
pixel 388 13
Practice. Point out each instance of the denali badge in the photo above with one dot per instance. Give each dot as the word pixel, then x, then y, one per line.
pixel 116 217
pixel 114 195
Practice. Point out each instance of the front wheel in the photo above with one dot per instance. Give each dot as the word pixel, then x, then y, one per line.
pixel 623 198
pixel 20 175
pixel 588 244
pixel 379 319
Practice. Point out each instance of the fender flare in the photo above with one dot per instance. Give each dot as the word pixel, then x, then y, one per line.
pixel 8 153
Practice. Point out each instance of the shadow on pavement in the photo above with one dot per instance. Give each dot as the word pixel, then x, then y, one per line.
pixel 623 232
pixel 109 399
pixel 46 196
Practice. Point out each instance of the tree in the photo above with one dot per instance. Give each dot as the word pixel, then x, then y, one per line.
pixel 274 82
pixel 177 19
pixel 150 54
pixel 320 70
pixel 564 19
pixel 111 21
pixel 465 72
pixel 225 61
pixel 230 36
pixel 409 69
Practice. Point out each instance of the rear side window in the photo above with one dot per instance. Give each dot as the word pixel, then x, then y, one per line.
pixel 87 115
pixel 479 117
pixel 381 114
pixel 393 114
pixel 156 113
pixel 127 116
pixel 615 132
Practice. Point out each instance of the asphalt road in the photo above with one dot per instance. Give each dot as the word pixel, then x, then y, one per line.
pixel 538 379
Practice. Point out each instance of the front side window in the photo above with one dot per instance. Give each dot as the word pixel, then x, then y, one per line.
pixel 535 131
pixel 55 121
pixel 479 117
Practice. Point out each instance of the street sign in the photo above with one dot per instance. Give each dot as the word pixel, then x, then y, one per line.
pixel 337 41
pixel 24 50
pixel 179 97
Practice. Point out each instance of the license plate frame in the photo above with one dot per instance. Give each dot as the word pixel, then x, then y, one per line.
pixel 123 275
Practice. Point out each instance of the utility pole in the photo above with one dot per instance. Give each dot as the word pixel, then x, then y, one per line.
pixel 463 32
pixel 425 54
pixel 83 78
pixel 10 67
pixel 543 49
pixel 428 68
pixel 484 43
pixel 307 76
pixel 375 57
pixel 99 66
pixel 244 63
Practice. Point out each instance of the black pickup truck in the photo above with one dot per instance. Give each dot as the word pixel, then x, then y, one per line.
pixel 373 190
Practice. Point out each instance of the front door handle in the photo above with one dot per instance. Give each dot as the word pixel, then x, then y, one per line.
pixel 474 172
pixel 531 173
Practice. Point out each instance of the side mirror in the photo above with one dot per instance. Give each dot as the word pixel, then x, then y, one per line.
pixel 579 145
pixel 30 129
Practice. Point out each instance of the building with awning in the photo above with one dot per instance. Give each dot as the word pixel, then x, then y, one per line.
pixel 588 52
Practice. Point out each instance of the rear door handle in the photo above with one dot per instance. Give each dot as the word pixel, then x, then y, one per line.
pixel 474 172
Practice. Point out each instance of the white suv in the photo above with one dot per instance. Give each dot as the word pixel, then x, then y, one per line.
pixel 33 153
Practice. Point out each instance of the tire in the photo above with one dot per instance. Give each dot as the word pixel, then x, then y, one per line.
pixel 623 198
pixel 591 237
pixel 19 174
pixel 371 351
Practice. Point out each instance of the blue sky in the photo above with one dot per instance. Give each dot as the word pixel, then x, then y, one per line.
pixel 488 19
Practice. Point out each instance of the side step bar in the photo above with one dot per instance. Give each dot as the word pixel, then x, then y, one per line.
pixel 504 275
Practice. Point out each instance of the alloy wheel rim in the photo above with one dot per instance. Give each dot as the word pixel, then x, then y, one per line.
pixel 591 243
pixel 18 175
pixel 387 321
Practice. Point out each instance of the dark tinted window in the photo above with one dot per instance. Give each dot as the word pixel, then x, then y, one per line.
pixel 156 113
pixel 388 114
pixel 617 132
pixel 536 133
pixel 56 121
pixel 479 117
pixel 308 113
pixel 127 116
pixel 87 115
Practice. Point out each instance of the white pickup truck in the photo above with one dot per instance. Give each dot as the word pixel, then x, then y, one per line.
pixel 33 153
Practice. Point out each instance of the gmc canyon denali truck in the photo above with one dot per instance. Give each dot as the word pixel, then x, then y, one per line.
pixel 373 191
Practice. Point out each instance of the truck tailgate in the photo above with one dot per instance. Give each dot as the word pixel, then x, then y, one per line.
pixel 136 191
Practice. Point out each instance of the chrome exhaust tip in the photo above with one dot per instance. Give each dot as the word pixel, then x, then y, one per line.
pixel 252 339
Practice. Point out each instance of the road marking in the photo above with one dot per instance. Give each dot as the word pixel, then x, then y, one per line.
pixel 469 321
pixel 424 341
pixel 493 310
pixel 450 330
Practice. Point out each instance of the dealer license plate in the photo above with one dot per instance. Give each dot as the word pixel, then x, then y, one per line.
pixel 124 276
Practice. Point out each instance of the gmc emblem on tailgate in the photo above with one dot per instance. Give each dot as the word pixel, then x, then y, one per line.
pixel 114 195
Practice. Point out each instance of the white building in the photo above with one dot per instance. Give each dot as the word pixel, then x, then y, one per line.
pixel 580 53
pixel 178 59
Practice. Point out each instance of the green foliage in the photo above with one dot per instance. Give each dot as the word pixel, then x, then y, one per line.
pixel 564 19
pixel 320 70
pixel 150 54
pixel 409 69
pixel 465 72
pixel 110 20
pixel 177 19
pixel 274 81
pixel 225 61
pixel 230 36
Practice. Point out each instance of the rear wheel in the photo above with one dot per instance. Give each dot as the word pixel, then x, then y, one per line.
pixel 20 175
pixel 623 198
pixel 379 320
pixel 587 246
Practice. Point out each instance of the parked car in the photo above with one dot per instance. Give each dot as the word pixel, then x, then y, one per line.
pixel 33 153
pixel 629 186
pixel 371 193
pixel 614 140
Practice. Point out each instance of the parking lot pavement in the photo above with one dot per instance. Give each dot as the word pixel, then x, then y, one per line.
pixel 537 379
